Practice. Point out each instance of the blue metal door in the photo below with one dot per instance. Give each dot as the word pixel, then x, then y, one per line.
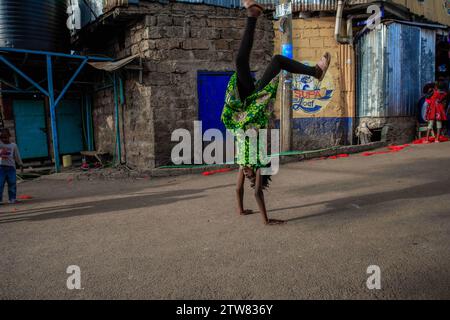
pixel 211 97
pixel 70 126
pixel 31 129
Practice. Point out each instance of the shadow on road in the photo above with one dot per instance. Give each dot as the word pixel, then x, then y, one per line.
pixel 365 177
pixel 125 202
pixel 426 190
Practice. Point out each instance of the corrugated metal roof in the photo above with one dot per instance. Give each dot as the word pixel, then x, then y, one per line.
pixel 394 63
pixel 220 3
pixel 297 5
pixel 433 10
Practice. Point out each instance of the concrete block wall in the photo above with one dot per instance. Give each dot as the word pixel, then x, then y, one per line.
pixel 103 120
pixel 323 113
pixel 6 115
pixel 176 41
pixel 138 131
pixel 401 129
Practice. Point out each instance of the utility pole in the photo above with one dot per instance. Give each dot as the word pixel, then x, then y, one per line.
pixel 284 11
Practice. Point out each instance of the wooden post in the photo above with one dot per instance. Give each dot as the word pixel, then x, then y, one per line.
pixel 286 80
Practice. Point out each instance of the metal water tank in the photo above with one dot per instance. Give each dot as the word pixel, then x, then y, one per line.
pixel 34 24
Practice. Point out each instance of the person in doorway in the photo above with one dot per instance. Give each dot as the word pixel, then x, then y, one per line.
pixel 436 110
pixel 247 105
pixel 9 156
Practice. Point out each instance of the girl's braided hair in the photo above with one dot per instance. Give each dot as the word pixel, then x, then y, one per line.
pixel 265 179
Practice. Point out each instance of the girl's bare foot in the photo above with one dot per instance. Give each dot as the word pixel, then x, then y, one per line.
pixel 274 222
pixel 254 9
pixel 323 65
pixel 246 212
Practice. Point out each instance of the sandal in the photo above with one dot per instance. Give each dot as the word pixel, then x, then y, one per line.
pixel 323 65
pixel 249 4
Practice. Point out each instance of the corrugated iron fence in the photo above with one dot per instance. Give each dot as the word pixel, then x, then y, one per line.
pixel 394 63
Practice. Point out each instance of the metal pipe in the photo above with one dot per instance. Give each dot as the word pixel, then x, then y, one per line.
pixel 103 88
pixel 42 81
pixel 122 103
pixel 20 91
pixel 51 99
pixel 122 95
pixel 63 92
pixel 10 84
pixel 89 123
pixel 55 54
pixel 338 25
pixel 116 104
pixel 23 75
pixel 286 81
pixel 348 39
pixel 350 30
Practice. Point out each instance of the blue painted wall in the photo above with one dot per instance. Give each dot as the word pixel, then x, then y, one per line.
pixel 70 126
pixel 212 87
pixel 31 129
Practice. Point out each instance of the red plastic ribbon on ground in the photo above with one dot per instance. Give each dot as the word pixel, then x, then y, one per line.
pixel 391 150
pixel 208 173
pixel 398 148
pixel 25 197
pixel 430 140
pixel 342 155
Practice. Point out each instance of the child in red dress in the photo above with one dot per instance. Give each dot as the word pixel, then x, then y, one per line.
pixel 436 112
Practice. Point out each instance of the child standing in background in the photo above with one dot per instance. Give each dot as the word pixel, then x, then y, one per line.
pixel 9 155
pixel 436 112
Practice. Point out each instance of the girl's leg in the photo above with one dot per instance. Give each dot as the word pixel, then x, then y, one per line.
pixel 280 62
pixel 2 181
pixel 439 129
pixel 244 77
pixel 430 129
pixel 12 184
pixel 259 195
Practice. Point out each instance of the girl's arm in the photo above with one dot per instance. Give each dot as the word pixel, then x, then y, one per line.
pixel 240 193
pixel 17 156
pixel 259 195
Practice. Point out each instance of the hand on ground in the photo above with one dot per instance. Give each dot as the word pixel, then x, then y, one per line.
pixel 246 212
pixel 273 222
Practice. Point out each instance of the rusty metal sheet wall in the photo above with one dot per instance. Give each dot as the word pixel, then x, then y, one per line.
pixel 394 63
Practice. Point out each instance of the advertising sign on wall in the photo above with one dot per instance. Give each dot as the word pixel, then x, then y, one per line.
pixel 311 96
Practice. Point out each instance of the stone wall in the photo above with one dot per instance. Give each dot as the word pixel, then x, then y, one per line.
pixel 135 125
pixel 401 129
pixel 103 120
pixel 6 115
pixel 138 131
pixel 176 41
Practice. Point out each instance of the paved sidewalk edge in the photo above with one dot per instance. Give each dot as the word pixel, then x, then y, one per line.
pixel 169 172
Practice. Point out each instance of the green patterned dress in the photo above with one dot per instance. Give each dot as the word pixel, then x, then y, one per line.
pixel 254 113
